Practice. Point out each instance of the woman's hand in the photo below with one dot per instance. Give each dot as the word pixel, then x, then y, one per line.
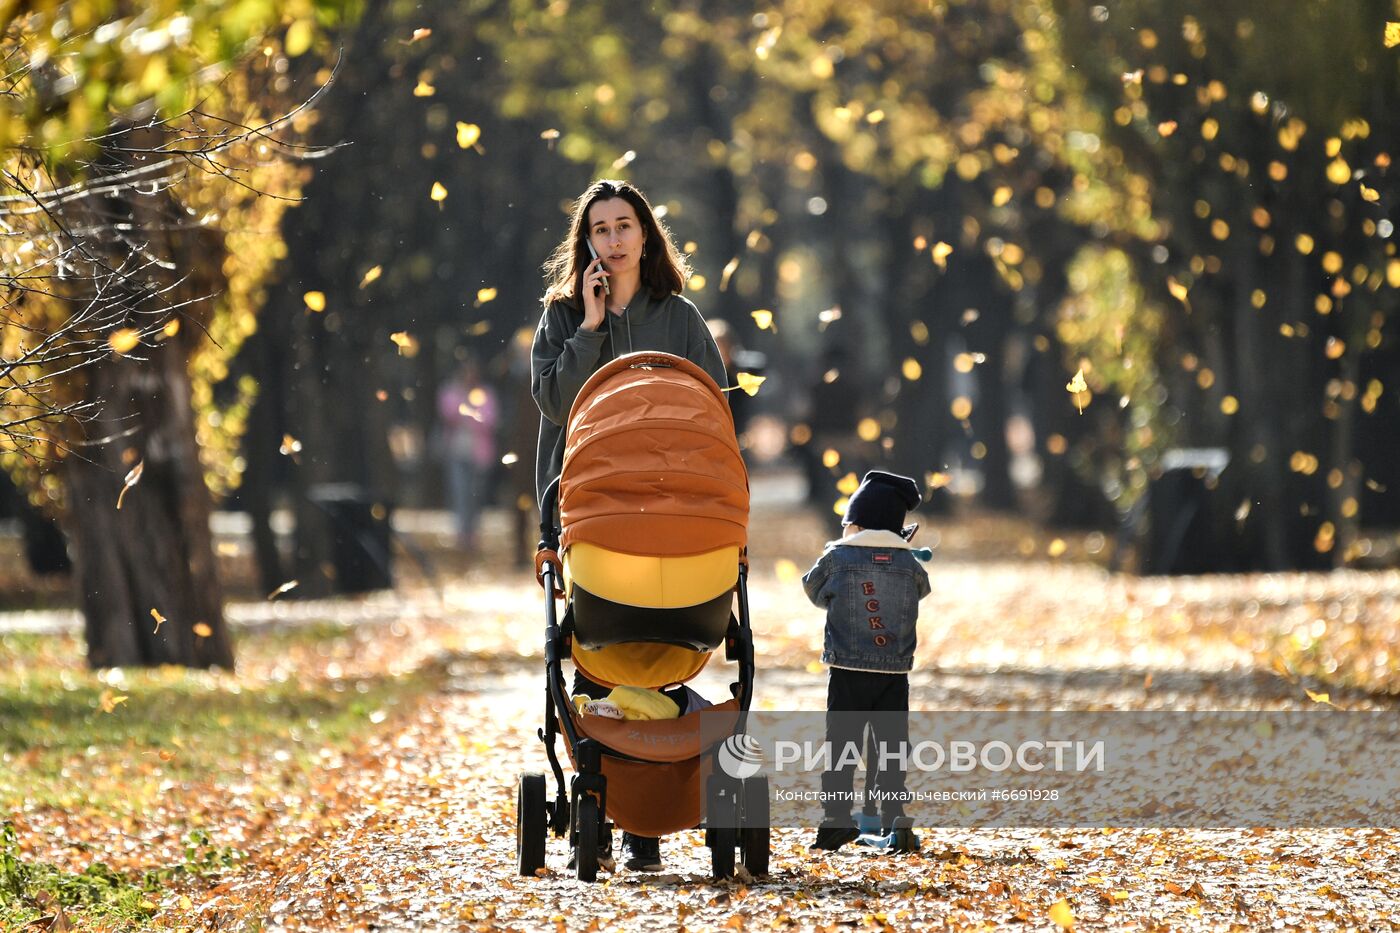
pixel 594 306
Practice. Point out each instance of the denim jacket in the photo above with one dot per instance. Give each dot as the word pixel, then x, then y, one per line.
pixel 870 585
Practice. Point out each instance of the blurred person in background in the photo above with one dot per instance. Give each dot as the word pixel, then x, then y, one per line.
pixel 468 412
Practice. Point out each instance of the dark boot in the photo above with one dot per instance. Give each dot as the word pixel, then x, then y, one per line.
pixel 832 836
pixel 643 852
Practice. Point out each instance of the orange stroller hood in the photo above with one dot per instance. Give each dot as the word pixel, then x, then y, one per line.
pixel 651 465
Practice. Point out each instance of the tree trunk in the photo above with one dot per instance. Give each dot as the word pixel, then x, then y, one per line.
pixel 156 552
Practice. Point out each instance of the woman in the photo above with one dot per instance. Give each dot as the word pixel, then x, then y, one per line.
pixel 587 323
pixel 627 299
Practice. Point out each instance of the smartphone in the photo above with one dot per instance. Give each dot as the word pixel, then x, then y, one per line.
pixel 594 253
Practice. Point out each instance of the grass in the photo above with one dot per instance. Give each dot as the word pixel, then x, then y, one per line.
pixel 122 784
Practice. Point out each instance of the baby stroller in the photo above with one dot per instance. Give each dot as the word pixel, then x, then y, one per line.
pixel 648 556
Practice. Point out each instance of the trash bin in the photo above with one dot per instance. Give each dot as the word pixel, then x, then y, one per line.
pixel 361 536
pixel 1182 532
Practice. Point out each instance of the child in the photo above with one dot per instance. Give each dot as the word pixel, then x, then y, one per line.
pixel 870 584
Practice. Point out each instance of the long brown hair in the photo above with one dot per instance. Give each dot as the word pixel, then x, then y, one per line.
pixel 664 269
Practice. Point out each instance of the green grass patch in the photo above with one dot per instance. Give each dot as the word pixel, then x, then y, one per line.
pixel 165 754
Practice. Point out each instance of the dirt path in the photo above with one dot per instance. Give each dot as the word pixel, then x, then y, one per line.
pixel 429 841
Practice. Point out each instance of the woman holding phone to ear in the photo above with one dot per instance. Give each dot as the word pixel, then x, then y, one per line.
pixel 614 287
pixel 627 299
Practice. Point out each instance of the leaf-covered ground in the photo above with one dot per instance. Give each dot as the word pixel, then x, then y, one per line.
pixel 398 813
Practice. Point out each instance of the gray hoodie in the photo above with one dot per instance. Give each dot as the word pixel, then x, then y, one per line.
pixel 564 356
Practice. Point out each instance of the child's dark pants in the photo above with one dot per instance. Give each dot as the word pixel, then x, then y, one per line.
pixel 850 697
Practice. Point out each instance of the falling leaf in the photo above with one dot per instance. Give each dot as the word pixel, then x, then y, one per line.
pixel 284 588
pixel 484 295
pixel 510 459
pixel 749 383
pixel 1369 194
pixel 729 268
pixel 316 301
pixel 1061 915
pixel 110 701
pixel 155 614
pixel 763 319
pixel 1132 77
pixel 203 630
pixel 826 318
pixel 468 134
pixel 848 484
pixel 1178 291
pixel 1319 697
pixel 1077 384
pixel 373 274
pixel 624 160
pixel 290 446
pixel 171 328
pixel 1166 127
pixel 439 193
pixel 1001 196
pixel 1392 35
pixel 124 339
pixel 131 480
pixel 1242 512
pixel 420 33
pixel 941 252
pixel 407 345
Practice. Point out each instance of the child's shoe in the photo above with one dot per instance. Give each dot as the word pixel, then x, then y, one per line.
pixel 903 838
pixel 832 836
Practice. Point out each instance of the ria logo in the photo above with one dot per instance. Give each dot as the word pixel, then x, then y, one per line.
pixel 740 756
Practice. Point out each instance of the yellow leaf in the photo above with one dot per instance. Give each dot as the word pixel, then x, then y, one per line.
pixel 124 339
pixel 941 252
pixel 468 134
pixel 729 269
pixel 1061 915
pixel 763 319
pixel 131 480
pixel 1369 194
pixel 110 701
pixel 1319 697
pixel 749 383
pixel 439 193
pixel 1166 127
pixel 420 33
pixel 155 614
pixel 1392 35
pixel 284 588
pixel 373 274
pixel 1001 196
pixel 423 89
pixel 316 301
pixel 408 346
pixel 1178 291
pixel 848 484
pixel 185 902
pixel 171 328
pixel 1077 384
pixel 299 36
pixel 290 446
pixel 484 295
pixel 203 630
pixel 840 505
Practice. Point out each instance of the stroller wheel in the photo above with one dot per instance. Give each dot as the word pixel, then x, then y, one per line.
pixel 590 823
pixel 531 824
pixel 722 819
pixel 753 832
